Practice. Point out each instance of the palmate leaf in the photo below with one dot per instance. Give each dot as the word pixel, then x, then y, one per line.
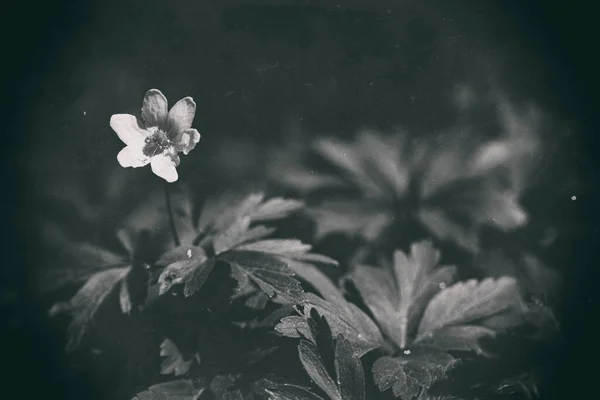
pixel 398 296
pixel 424 315
pixel 84 305
pixel 456 192
pixel 256 263
pixel 227 233
pixel 102 270
pixel 184 389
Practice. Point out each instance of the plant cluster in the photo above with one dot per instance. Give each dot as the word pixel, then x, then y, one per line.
pixel 346 294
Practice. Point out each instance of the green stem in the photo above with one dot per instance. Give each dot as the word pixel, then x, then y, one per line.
pixel 171 217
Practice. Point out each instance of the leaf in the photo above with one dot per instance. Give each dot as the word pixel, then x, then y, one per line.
pixel 332 364
pixel 50 279
pixel 347 319
pixel 174 362
pixel 310 359
pixel 321 336
pixel 276 208
pixel 315 258
pixel 125 297
pixel 349 371
pixel 534 278
pixel 289 247
pixel 304 181
pixel 398 297
pixel 499 208
pixel 191 268
pixel 242 209
pixel 235 234
pixel 293 326
pixel 411 373
pixel 257 210
pixel 457 191
pixel 437 222
pixel 89 255
pixel 257 300
pixel 384 156
pixel 86 302
pixel 377 289
pixel 179 254
pixel 469 301
pixel 270 274
pixel 463 337
pixel 283 391
pixel 173 390
pixel 269 321
pixel 349 160
pixel 78 260
pixel 474 202
pixel 342 316
pixel 198 278
pixel 221 384
pixel 350 218
pixel 292 251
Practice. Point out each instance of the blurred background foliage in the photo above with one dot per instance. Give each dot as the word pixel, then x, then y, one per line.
pixel 264 73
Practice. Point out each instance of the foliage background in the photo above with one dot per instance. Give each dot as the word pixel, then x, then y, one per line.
pixel 257 72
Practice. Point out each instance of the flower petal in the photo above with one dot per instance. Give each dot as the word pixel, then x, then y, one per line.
pixel 180 117
pixel 132 156
pixel 154 108
pixel 187 140
pixel 128 129
pixel 164 166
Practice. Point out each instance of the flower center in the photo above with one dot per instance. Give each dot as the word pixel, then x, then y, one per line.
pixel 156 143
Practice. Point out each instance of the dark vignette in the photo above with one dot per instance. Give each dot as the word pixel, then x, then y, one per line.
pixel 36 35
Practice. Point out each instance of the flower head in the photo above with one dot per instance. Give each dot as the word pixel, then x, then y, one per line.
pixel 158 136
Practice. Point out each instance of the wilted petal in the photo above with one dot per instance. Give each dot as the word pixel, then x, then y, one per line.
pixel 132 156
pixel 128 129
pixel 187 140
pixel 164 166
pixel 155 108
pixel 180 117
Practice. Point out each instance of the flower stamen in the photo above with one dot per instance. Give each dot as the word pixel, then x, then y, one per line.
pixel 156 143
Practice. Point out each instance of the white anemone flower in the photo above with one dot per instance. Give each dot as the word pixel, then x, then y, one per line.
pixel 157 137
